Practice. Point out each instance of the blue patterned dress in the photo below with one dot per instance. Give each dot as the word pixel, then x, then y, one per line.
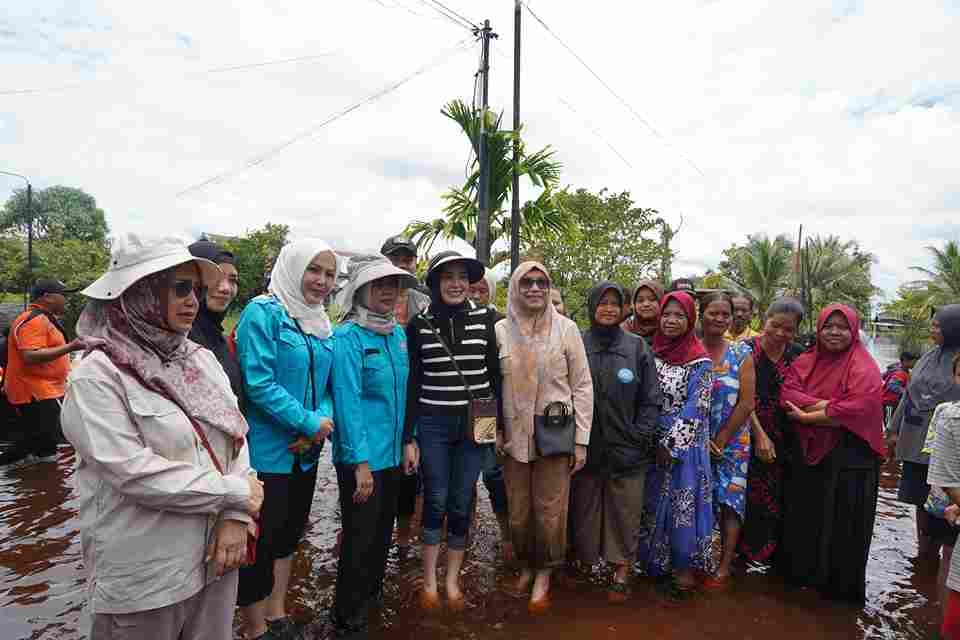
pixel 730 471
pixel 677 531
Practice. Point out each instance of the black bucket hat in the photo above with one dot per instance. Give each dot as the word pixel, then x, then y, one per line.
pixel 475 268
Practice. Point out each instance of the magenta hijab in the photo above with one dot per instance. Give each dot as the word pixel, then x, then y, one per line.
pixel 850 381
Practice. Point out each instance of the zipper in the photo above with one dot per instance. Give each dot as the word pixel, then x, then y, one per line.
pixel 396 398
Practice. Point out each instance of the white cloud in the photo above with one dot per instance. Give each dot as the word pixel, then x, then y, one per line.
pixel 842 116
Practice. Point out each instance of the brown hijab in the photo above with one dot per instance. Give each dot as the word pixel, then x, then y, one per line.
pixel 531 335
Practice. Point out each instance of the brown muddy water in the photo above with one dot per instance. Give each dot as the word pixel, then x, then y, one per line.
pixel 42 588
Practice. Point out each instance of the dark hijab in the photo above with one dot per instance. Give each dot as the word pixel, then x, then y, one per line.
pixel 932 377
pixel 604 335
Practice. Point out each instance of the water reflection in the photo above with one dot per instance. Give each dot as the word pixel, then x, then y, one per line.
pixel 42 591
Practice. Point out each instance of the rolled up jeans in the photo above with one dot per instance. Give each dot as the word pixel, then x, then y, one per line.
pixel 450 466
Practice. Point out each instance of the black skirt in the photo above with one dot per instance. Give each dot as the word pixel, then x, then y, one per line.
pixel 830 509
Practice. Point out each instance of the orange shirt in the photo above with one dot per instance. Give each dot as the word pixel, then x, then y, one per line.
pixel 24 382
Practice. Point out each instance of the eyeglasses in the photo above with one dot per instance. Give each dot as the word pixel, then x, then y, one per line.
pixel 183 288
pixel 528 283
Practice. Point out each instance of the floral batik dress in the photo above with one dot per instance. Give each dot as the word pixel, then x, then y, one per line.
pixel 730 471
pixel 677 530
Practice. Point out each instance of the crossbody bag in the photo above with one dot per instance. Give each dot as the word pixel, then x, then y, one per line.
pixel 481 425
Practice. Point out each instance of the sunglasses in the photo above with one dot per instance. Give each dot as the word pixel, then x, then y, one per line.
pixel 183 288
pixel 528 283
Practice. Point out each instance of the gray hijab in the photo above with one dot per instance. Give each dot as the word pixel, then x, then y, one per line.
pixel 932 378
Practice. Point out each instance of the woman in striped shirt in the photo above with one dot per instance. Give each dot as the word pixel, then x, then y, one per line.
pixel 437 405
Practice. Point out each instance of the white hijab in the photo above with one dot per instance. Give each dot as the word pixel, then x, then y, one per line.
pixel 286 284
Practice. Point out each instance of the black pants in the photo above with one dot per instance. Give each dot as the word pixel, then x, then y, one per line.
pixel 36 431
pixel 407 491
pixel 287 498
pixel 367 531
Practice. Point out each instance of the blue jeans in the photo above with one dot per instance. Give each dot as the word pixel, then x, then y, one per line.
pixel 450 465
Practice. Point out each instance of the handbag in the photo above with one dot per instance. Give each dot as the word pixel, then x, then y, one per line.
pixel 554 432
pixel 481 412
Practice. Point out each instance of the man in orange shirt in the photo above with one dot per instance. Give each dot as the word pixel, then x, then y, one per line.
pixel 36 375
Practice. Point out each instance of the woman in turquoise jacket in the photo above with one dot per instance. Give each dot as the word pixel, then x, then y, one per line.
pixel 369 381
pixel 285 349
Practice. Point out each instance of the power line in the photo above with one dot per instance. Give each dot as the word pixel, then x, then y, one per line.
pixel 596 132
pixel 450 15
pixel 616 95
pixel 307 133
pixel 226 69
pixel 445 7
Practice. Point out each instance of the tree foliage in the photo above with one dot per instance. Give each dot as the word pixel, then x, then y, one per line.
pixel 542 217
pixel 760 267
pixel 58 212
pixel 941 283
pixel 254 254
pixel 608 240
pixel 912 307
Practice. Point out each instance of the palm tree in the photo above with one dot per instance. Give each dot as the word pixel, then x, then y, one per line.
pixel 762 268
pixel 943 280
pixel 836 271
pixel 542 217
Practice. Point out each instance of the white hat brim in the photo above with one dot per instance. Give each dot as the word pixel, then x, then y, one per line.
pixel 114 282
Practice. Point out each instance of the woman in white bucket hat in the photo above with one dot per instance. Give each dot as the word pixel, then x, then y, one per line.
pixel 166 495
pixel 369 382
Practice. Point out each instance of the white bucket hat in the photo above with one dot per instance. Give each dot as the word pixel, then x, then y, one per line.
pixel 134 257
pixel 364 269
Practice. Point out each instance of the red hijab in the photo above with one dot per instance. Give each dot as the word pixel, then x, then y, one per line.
pixel 682 349
pixel 850 381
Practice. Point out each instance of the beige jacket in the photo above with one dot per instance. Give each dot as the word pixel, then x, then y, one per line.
pixel 150 496
pixel 568 380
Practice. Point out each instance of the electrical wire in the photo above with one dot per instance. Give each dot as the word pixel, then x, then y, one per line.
pixel 448 9
pixel 307 133
pixel 595 132
pixel 616 95
pixel 227 69
pixel 452 17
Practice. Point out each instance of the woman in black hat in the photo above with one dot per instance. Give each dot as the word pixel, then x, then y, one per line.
pixel 437 406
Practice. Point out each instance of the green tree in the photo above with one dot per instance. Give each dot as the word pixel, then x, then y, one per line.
pixel 62 212
pixel 76 262
pixel 942 281
pixel 837 271
pixel 254 254
pixel 912 307
pixel 606 241
pixel 761 267
pixel 542 217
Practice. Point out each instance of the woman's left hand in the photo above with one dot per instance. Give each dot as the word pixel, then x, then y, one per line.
pixel 796 413
pixel 579 458
pixel 228 550
pixel 951 514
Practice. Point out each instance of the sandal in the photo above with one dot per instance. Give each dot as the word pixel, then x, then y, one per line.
pixel 673 593
pixel 716 583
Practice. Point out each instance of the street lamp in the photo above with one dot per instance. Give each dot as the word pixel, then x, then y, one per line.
pixel 29 225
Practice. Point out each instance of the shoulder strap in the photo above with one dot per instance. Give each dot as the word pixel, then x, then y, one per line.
pixel 313 385
pixel 450 355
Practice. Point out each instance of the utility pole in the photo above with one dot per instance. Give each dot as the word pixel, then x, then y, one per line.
pixel 515 189
pixel 483 194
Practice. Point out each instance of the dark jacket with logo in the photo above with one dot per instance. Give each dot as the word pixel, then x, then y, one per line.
pixel 626 398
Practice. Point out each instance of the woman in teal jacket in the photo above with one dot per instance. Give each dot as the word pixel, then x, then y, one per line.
pixel 285 349
pixel 369 381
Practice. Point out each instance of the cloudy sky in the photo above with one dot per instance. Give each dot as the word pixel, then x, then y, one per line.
pixel 747 116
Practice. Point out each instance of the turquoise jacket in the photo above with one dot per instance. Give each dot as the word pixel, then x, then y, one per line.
pixel 275 365
pixel 369 384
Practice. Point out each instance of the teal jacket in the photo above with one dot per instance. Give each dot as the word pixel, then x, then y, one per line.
pixel 275 364
pixel 369 384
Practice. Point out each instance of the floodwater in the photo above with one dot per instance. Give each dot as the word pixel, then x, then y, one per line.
pixel 42 589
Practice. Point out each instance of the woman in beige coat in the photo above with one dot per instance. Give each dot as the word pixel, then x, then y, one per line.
pixel 165 492
pixel 543 363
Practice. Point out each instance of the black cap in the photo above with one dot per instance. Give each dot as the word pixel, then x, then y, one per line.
pixel 49 285
pixel 398 243
pixel 475 269
pixel 211 251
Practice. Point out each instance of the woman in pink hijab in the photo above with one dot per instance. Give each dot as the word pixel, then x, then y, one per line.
pixel 832 395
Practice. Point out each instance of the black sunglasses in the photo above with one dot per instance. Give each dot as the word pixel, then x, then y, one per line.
pixel 183 288
pixel 542 283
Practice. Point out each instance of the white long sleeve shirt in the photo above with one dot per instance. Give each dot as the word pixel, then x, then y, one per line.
pixel 150 496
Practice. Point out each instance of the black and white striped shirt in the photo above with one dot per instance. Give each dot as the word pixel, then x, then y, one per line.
pixel 435 386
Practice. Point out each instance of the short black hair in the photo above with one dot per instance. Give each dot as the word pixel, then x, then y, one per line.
pixel 712 297
pixel 746 296
pixel 908 355
pixel 786 305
